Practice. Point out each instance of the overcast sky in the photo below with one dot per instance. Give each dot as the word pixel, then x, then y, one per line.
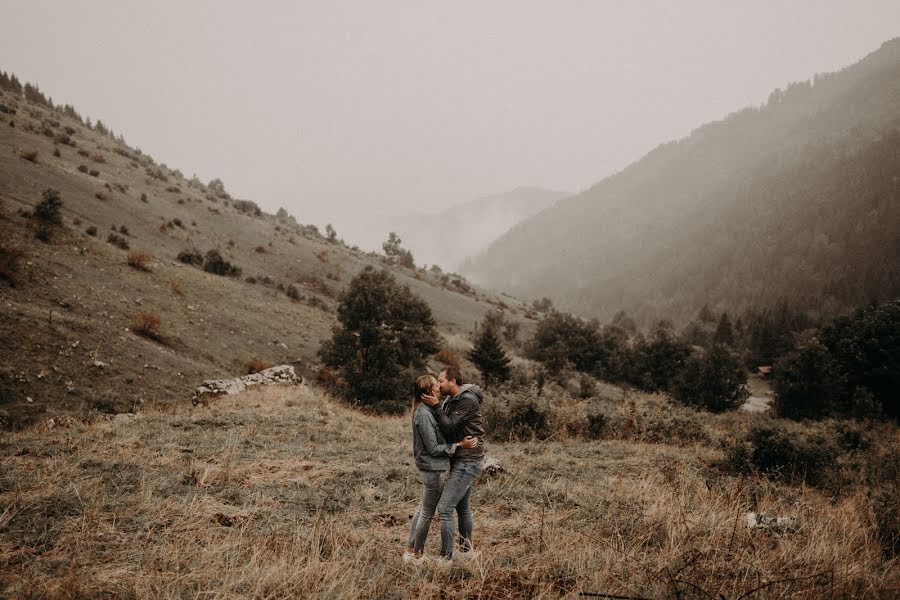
pixel 346 111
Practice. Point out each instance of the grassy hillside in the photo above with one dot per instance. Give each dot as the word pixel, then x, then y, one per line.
pixel 283 493
pixel 794 200
pixel 69 342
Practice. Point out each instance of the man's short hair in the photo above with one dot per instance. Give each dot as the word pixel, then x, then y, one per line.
pixel 454 374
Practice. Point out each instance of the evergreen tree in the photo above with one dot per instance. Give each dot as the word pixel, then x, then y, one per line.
pixel 713 381
pixel 724 333
pixel 706 315
pixel 381 330
pixel 866 345
pixel 663 357
pixel 562 339
pixel 808 383
pixel 15 86
pixel 489 356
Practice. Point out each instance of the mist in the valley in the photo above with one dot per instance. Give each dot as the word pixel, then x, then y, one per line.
pixel 446 122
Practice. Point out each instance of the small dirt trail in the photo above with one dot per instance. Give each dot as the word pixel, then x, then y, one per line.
pixel 761 396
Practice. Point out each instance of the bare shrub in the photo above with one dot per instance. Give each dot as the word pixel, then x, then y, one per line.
pixel 82 168
pixel 256 365
pixel 29 155
pixel 92 230
pixel 448 357
pixel 98 158
pixel 94 173
pixel 9 264
pixel 140 260
pixel 148 325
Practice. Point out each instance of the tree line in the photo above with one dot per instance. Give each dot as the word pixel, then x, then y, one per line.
pixel 846 367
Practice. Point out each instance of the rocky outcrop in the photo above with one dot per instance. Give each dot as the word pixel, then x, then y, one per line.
pixel 228 387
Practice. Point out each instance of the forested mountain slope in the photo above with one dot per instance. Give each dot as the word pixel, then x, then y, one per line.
pixel 796 200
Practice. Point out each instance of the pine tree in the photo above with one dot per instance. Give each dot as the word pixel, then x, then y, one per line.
pixel 724 333
pixel 489 356
pixel 382 329
pixel 706 315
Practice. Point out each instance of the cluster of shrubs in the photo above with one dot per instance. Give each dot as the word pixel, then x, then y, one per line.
pixel 560 406
pixel 211 262
pixel 851 368
pixel 707 379
pixel 118 241
pixel 291 291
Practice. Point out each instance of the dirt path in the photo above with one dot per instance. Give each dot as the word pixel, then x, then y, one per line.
pixel 761 396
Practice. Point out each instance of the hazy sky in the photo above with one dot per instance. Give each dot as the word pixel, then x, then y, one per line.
pixel 349 111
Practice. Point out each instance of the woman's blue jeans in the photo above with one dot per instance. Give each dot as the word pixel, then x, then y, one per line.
pixel 421 521
pixel 456 496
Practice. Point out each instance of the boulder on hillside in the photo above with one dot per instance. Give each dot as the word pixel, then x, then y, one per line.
pixel 228 387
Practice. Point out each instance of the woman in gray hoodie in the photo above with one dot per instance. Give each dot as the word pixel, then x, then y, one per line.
pixel 432 454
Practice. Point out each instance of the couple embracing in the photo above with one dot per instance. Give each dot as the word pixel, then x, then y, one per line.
pixel 447 436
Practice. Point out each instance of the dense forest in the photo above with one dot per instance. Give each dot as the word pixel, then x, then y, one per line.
pixel 793 201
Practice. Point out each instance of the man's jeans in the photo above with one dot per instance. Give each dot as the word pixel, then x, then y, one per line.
pixel 456 495
pixel 421 521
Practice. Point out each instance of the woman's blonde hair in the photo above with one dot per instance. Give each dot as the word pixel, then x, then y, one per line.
pixel 422 386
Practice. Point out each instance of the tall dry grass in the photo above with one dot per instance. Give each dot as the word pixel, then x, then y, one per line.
pixel 283 493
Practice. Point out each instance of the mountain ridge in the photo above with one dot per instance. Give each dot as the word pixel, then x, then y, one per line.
pixel 636 214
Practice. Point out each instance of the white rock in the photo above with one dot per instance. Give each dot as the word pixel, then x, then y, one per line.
pixel 229 387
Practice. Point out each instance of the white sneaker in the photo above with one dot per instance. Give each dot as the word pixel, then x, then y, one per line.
pixel 443 561
pixel 412 558
pixel 465 556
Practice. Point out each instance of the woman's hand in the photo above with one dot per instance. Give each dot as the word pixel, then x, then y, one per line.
pixel 468 442
pixel 430 400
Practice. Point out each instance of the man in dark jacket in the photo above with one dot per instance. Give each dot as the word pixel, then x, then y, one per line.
pixel 458 416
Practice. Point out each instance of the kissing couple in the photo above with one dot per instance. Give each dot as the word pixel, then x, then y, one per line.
pixel 448 437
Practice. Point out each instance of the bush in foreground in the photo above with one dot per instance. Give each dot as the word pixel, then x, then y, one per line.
pixel 772 450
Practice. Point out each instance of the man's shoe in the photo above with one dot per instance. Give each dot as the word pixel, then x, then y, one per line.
pixel 465 556
pixel 443 561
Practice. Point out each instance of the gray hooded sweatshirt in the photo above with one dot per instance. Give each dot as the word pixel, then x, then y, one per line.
pixel 460 416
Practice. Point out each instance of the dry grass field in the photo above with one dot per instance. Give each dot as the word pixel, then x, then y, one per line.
pixel 285 493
